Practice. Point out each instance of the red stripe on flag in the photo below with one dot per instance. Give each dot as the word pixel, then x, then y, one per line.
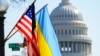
pixel 25 26
pixel 32 50
pixel 24 33
pixel 35 43
pixel 34 36
pixel 27 19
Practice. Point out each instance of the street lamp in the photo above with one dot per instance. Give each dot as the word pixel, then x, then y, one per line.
pixel 3 5
pixel 3 8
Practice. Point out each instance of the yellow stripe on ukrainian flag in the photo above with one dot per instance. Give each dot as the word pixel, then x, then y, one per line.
pixel 43 45
pixel 48 43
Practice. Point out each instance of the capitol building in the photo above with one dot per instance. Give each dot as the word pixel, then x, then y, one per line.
pixel 71 30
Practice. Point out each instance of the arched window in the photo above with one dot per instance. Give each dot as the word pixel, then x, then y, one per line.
pixel 62 32
pixel 69 32
pixel 58 31
pixel 66 46
pixel 65 16
pixel 62 16
pixel 80 32
pixel 61 46
pixel 59 16
pixel 76 32
pixel 73 32
pixel 65 31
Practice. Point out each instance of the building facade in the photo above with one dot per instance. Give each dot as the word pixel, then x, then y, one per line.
pixel 71 30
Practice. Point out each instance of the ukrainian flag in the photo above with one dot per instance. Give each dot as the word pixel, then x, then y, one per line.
pixel 48 43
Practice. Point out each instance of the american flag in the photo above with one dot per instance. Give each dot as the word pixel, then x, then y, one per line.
pixel 26 25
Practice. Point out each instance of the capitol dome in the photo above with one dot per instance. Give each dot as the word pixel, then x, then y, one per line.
pixel 66 11
pixel 69 18
pixel 71 30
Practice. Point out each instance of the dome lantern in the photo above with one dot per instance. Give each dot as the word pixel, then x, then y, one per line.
pixel 64 2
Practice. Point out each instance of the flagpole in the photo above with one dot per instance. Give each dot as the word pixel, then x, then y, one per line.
pixel 15 25
pixel 41 9
pixel 9 33
pixel 9 36
pixel 34 1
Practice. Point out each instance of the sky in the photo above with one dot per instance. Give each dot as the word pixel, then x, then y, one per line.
pixel 89 9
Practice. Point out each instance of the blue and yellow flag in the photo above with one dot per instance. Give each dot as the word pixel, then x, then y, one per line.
pixel 48 43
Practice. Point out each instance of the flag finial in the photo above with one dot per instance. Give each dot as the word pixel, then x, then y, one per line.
pixel 34 1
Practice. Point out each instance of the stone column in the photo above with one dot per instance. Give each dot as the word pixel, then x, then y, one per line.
pixel 76 47
pixel 72 47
